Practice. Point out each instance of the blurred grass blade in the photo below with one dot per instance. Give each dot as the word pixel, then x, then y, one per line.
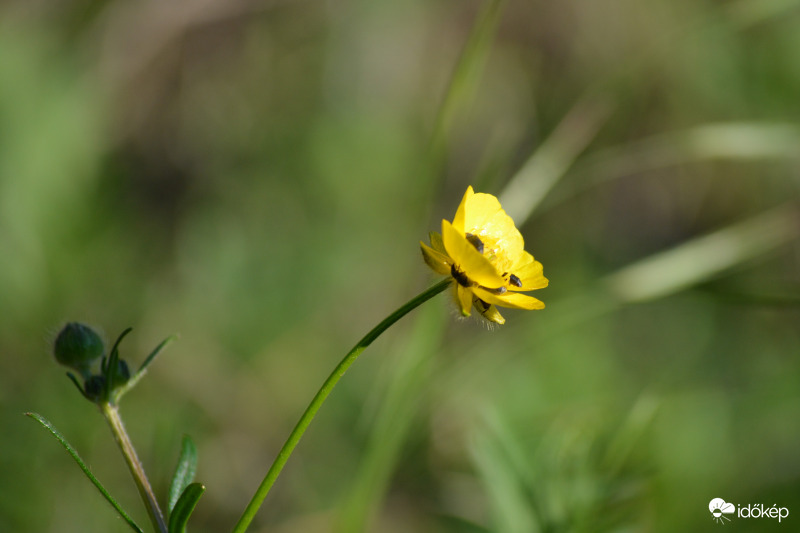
pixel 184 507
pixel 708 142
pixel 743 140
pixel 184 471
pixel 525 191
pixel 510 507
pixel 703 257
pixel 635 425
pixel 493 422
pixel 402 393
pixel 749 12
pixel 67 446
pixel 466 73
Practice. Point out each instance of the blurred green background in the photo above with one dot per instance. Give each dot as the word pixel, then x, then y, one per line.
pixel 256 176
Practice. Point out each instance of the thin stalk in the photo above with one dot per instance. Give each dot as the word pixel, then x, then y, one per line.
pixel 319 399
pixel 111 414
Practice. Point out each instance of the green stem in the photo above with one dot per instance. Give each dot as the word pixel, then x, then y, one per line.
pixel 111 414
pixel 319 399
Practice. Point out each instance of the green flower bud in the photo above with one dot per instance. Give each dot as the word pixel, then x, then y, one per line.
pixel 95 388
pixel 122 375
pixel 78 346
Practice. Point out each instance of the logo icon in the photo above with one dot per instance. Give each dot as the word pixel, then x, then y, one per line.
pixel 719 508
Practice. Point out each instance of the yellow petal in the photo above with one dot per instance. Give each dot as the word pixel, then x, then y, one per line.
pixel 436 241
pixel 523 260
pixel 530 274
pixel 464 296
pixel 488 311
pixel 515 300
pixel 478 208
pixel 437 261
pixel 466 258
pixel 458 220
pixel 485 217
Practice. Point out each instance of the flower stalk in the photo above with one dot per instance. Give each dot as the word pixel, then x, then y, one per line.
pixel 298 431
pixel 111 414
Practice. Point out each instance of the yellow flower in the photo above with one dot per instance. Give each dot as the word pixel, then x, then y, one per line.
pixel 484 253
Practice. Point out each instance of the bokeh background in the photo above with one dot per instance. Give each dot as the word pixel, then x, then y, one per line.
pixel 256 176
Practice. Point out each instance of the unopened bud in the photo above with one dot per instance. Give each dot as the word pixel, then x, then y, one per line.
pixel 95 388
pixel 78 346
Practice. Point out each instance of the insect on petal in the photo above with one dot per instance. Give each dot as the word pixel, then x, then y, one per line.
pixel 464 255
pixel 530 274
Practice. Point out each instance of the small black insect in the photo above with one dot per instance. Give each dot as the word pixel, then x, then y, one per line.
pixel 476 242
pixel 515 281
pixel 460 277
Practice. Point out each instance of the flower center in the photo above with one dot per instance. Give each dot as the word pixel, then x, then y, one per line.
pixel 494 254
pixel 489 248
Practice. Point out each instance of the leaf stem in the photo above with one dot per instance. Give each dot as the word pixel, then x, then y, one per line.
pixel 111 414
pixel 297 433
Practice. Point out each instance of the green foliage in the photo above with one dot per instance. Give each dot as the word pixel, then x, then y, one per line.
pixel 258 179
pixel 179 516
pixel 78 346
pixel 184 472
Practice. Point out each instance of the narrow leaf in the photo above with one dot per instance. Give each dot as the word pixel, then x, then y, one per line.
pixel 184 471
pixel 143 369
pixel 67 446
pixel 72 378
pixel 184 508
pixel 112 364
pixel 155 352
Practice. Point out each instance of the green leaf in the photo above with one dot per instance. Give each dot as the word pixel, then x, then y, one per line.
pixel 155 352
pixel 74 380
pixel 183 509
pixel 184 471
pixel 143 369
pixel 111 364
pixel 67 446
